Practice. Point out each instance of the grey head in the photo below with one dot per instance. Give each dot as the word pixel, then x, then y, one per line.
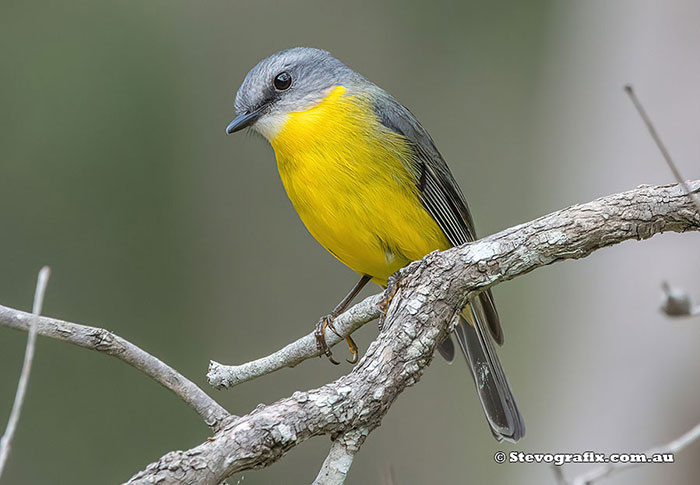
pixel 288 81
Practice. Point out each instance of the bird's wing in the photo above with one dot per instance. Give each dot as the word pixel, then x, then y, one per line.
pixel 439 192
pixel 444 201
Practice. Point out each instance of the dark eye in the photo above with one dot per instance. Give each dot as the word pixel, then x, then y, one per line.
pixel 282 81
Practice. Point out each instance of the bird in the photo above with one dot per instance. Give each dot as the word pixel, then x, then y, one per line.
pixel 370 185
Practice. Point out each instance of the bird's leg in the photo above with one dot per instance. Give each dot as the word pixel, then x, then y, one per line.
pixel 327 322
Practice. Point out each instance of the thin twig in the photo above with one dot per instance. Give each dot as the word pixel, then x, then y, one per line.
pixel 106 342
pixel 39 291
pixel 388 475
pixel 610 468
pixel 559 475
pixel 662 148
pixel 677 302
pixel 680 443
pixel 226 376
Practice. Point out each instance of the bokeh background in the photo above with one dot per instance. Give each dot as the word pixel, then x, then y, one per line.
pixel 115 171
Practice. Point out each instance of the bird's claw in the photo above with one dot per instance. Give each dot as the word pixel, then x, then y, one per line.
pixel 323 348
pixel 320 334
pixel 353 350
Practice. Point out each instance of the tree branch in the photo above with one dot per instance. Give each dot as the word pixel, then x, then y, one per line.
pixel 660 144
pixel 610 468
pixel 226 376
pixel 39 291
pixel 337 464
pixel 677 303
pixel 427 296
pixel 108 343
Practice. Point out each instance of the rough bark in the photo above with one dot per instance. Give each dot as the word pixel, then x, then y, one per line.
pixel 423 299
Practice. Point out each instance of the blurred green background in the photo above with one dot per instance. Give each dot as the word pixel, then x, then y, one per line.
pixel 115 171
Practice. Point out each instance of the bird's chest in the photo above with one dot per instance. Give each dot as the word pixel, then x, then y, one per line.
pixel 344 188
pixel 345 176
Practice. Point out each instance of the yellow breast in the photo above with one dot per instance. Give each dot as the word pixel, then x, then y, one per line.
pixel 343 172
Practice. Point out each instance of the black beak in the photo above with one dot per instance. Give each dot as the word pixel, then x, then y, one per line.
pixel 243 121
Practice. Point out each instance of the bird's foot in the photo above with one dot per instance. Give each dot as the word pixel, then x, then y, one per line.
pixel 320 334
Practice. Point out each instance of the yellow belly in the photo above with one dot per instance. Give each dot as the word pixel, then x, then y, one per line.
pixel 342 170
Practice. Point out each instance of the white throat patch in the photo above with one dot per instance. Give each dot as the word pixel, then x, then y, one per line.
pixel 270 124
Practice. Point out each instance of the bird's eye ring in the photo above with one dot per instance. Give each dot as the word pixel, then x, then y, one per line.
pixel 282 81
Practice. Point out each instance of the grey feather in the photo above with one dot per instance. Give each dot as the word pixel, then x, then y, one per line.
pixel 439 192
pixel 313 72
pixel 443 199
pixel 492 387
pixel 447 349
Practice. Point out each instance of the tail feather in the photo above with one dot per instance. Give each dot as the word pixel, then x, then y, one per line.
pixel 447 349
pixel 491 316
pixel 477 344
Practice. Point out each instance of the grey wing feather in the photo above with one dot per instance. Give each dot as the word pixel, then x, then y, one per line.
pixel 439 192
pixel 444 201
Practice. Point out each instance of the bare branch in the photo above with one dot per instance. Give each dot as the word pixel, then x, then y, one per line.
pixel 662 148
pixel 610 468
pixel 337 464
pixel 226 376
pixel 42 281
pixel 108 343
pixel 429 294
pixel 676 302
pixel 39 291
pixel 559 475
